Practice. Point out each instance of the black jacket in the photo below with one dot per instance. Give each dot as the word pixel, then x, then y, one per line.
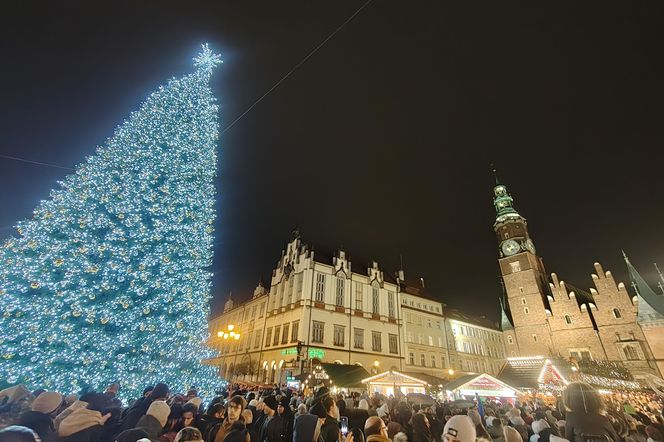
pixel 578 425
pixel 90 434
pixel 41 423
pixel 330 431
pixel 151 426
pixel 134 413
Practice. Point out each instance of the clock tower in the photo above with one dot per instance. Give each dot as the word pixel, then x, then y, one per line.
pixel 523 275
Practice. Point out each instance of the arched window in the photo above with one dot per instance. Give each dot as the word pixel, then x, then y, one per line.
pixel 568 319
pixel 616 313
pixel 510 340
pixel 526 310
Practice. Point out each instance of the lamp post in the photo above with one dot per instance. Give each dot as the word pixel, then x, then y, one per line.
pixel 229 335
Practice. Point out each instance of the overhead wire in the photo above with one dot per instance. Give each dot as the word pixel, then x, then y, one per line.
pixel 254 104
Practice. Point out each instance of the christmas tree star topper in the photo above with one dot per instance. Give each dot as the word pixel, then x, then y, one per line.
pixel 207 59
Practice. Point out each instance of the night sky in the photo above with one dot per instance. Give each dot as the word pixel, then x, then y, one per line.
pixel 381 141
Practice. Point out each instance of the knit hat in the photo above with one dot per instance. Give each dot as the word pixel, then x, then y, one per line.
pixel 512 435
pixel 160 411
pixel 460 428
pixel 271 402
pixel 539 425
pixel 14 394
pixel 47 402
pixel 197 401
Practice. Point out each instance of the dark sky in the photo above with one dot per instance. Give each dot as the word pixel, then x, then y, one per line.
pixel 381 141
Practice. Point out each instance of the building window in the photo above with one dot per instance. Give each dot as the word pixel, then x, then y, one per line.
pixel 291 285
pixel 268 336
pixel 431 341
pixel 317 333
pixel 358 338
pixel 515 266
pixel 358 296
pixel 277 329
pixel 375 302
pixel 534 338
pixel 411 358
pixel 419 338
pixel 339 333
pixel 526 310
pixel 394 347
pixel 616 313
pixel 568 319
pixel 261 310
pixel 630 353
pixel 520 289
pixel 295 331
pixel 257 339
pixel 390 304
pixel 433 361
pixel 284 334
pixel 376 341
pixel 423 361
pixel 340 291
pixel 410 336
pixel 523 301
pixel 510 340
pixel 320 287
pixel 298 287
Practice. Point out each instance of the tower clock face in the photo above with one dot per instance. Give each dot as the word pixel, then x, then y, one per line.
pixel 510 247
pixel 530 246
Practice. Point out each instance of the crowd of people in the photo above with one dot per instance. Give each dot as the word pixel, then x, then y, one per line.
pixel 239 414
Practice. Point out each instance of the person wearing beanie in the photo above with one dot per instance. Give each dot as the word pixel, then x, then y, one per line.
pixel 139 409
pixel 40 416
pixel 132 435
pixel 273 426
pixel 459 429
pixel 86 424
pixel 155 419
pixel 286 413
pixel 317 407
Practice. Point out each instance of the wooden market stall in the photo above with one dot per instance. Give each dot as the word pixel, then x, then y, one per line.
pixel 482 385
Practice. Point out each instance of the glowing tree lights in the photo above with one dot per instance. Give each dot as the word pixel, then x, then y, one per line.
pixel 107 281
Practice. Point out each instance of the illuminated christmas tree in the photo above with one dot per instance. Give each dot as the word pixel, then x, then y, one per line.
pixel 107 281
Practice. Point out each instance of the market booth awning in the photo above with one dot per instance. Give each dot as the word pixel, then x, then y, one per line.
pixel 390 381
pixel 342 375
pixel 536 372
pixel 481 384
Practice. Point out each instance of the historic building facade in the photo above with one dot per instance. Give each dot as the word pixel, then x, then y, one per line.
pixel 543 315
pixel 323 307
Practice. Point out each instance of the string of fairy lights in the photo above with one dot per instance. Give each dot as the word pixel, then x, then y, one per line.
pixel 107 281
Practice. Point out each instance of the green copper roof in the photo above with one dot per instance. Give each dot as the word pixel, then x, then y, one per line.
pixel 651 305
pixel 504 203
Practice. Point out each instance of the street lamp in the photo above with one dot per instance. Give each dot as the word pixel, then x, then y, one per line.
pixel 227 334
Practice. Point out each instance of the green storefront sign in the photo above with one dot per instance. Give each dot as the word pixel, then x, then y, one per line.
pixel 314 353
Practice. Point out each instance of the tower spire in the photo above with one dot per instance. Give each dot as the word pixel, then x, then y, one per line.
pixel 503 203
pixel 650 303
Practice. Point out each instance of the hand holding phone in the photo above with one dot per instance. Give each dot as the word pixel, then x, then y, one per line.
pixel 343 423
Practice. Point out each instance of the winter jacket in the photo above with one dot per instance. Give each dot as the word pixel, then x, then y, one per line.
pixel 304 427
pixel 134 413
pixel 82 425
pixel 330 432
pixel 579 424
pixel 40 423
pixel 151 426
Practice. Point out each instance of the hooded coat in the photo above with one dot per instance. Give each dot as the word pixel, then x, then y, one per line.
pixel 82 425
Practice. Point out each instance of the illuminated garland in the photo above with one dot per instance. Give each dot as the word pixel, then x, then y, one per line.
pixel 107 281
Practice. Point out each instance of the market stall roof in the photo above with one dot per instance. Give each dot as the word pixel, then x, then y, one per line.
pixel 393 377
pixel 529 372
pixel 431 380
pixel 481 383
pixel 345 375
